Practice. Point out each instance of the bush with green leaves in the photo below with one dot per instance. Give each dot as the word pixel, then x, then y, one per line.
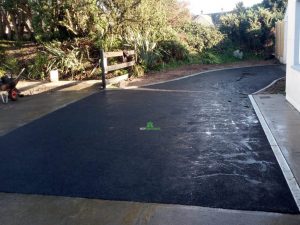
pixel 2 71
pixel 172 50
pixel 138 71
pixel 209 57
pixel 251 28
pixel 38 69
pixel 66 58
pixel 11 65
pixel 199 37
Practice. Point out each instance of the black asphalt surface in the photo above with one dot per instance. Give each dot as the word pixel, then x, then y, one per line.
pixel 210 150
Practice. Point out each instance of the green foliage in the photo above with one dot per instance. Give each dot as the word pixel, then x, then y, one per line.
pixel 210 58
pixel 11 64
pixel 138 71
pixel 68 59
pixel 150 60
pixel 200 37
pixel 2 71
pixel 172 50
pixel 216 57
pixel 252 29
pixel 68 18
pixel 39 68
pixel 14 15
pixel 275 5
pixel 160 31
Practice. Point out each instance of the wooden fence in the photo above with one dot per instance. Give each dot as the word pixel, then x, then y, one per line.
pixel 279 40
pixel 128 60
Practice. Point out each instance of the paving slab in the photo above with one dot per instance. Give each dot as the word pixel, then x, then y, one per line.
pixel 284 122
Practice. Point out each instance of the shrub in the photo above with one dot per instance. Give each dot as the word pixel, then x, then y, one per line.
pixel 209 58
pixel 200 37
pixel 138 71
pixel 251 29
pixel 11 64
pixel 150 60
pixel 2 72
pixel 67 59
pixel 39 68
pixel 172 50
pixel 215 56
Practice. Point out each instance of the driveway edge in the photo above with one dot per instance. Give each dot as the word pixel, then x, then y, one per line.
pixel 196 74
pixel 288 174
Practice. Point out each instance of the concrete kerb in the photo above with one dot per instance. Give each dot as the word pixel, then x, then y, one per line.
pixel 32 88
pixel 287 172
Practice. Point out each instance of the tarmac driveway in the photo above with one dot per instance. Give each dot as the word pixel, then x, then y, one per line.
pixel 205 148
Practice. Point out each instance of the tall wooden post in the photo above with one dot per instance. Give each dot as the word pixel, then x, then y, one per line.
pixel 103 68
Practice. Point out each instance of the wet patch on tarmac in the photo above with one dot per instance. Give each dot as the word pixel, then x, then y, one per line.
pixel 209 150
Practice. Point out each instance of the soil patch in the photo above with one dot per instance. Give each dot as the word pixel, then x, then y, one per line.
pixel 277 88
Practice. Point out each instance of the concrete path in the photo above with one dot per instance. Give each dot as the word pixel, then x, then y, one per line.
pixel 18 209
pixel 29 108
pixel 60 210
pixel 283 123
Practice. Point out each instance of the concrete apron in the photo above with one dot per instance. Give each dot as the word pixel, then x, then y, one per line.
pixel 16 209
pixel 30 108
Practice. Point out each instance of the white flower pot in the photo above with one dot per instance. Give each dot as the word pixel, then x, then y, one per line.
pixel 54 76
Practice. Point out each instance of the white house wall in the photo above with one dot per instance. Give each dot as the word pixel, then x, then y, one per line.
pixel 286 25
pixel 293 70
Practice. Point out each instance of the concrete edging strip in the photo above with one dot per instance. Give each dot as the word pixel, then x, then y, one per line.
pixel 288 174
pixel 196 74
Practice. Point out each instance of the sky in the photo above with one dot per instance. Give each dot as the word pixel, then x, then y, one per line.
pixel 212 6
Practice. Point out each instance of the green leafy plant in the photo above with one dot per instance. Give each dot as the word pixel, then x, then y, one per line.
pixel 65 59
pixel 39 68
pixel 200 37
pixel 172 50
pixel 2 72
pixel 138 71
pixel 11 64
pixel 252 28
pixel 209 58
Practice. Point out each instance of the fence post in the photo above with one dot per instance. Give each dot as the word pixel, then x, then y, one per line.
pixel 103 68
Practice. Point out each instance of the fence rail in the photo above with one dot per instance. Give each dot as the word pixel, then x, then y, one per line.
pixel 105 68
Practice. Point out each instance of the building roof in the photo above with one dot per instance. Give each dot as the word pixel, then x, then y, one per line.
pixel 203 19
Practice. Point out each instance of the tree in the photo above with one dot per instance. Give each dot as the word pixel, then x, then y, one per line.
pixel 252 28
pixel 178 13
pixel 15 15
pixel 279 5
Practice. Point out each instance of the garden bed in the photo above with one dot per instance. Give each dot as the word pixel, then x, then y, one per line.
pixel 277 88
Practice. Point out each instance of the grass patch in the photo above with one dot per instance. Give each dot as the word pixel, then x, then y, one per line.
pixel 209 57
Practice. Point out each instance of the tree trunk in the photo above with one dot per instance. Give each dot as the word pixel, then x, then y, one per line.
pixel 2 26
pixel 6 23
pixel 15 27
